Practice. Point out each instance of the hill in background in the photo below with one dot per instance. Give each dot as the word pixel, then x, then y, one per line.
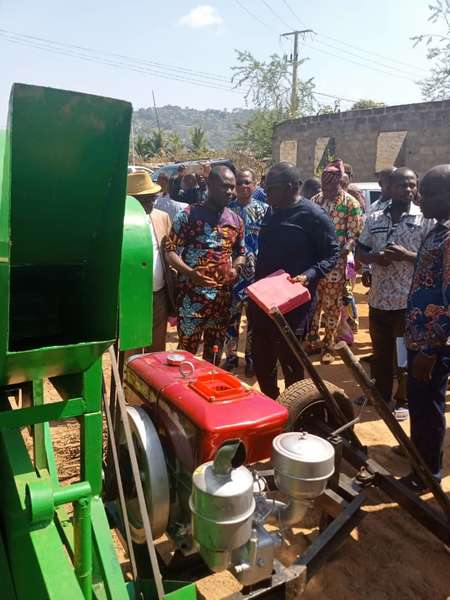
pixel 220 125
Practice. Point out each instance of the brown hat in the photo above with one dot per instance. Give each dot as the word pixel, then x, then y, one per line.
pixel 140 184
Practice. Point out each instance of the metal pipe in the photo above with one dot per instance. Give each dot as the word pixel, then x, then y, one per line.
pixel 284 514
pixel 72 493
pixel 83 545
pixel 368 387
pixel 300 354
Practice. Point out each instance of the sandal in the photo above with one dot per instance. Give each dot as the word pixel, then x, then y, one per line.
pixel 327 358
pixel 313 346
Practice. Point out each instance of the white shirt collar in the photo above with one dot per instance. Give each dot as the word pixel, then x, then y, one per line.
pixel 414 210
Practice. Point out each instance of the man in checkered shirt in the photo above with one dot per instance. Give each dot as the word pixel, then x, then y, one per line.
pixel 389 243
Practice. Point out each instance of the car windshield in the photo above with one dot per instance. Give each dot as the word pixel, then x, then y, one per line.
pixel 168 169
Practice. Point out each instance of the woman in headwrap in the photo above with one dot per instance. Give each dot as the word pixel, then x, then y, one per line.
pixel 345 212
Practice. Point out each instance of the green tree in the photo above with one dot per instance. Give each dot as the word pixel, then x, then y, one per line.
pixel 328 156
pixel 174 146
pixel 437 85
pixel 267 87
pixel 362 104
pixel 198 139
pixel 156 142
pixel 140 147
pixel 255 136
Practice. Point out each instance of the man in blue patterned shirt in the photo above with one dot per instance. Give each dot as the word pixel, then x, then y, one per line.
pixel 252 213
pixel 428 328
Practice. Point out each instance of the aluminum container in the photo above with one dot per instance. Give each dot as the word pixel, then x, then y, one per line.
pixel 303 464
pixel 222 506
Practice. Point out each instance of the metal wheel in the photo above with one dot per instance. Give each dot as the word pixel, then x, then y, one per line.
pixel 307 408
pixel 154 476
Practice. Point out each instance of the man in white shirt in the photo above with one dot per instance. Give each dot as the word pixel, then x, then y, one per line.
pixel 164 202
pixel 143 189
pixel 389 243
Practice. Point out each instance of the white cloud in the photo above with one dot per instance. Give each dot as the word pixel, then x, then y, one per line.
pixel 203 15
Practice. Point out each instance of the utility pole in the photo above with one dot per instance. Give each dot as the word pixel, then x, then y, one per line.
pixel 156 112
pixel 294 61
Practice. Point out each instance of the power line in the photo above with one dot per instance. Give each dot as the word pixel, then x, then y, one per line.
pixel 293 13
pixel 359 49
pixel 182 70
pixel 117 64
pixel 398 75
pixel 276 15
pixel 394 72
pixel 88 54
pixel 252 15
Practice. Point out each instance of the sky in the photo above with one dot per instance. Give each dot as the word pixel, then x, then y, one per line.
pixel 184 51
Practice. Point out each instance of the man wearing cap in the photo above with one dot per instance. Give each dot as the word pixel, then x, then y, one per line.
pixel 345 212
pixel 143 189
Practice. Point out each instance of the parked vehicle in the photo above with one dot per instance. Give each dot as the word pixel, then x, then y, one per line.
pixel 192 166
pixel 371 191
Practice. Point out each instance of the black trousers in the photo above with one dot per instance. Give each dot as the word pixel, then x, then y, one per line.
pixel 384 327
pixel 269 347
pixel 426 401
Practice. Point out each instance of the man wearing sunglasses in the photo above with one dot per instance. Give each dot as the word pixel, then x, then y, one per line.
pixel 296 236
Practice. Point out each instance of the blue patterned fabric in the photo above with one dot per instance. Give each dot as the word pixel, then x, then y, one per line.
pixel 428 313
pixel 252 214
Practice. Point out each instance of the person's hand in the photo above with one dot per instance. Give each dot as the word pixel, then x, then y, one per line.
pixel 299 279
pixel 366 279
pixel 380 259
pixel 422 366
pixel 398 253
pixel 200 278
pixel 231 275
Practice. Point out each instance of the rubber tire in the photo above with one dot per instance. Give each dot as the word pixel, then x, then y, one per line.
pixel 301 396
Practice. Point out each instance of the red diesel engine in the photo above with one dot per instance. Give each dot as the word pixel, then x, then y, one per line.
pixel 182 411
pixel 195 427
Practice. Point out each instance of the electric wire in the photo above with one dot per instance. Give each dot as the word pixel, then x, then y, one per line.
pixel 359 49
pixel 253 15
pixel 393 70
pixel 153 64
pixel 122 65
pixel 89 55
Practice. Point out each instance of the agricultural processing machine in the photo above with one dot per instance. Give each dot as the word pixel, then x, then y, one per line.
pixel 63 216
pixel 216 469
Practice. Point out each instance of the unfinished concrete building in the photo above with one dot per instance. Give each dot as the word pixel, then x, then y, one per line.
pixel 413 135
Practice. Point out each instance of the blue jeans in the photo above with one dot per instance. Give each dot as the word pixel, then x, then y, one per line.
pixel 426 403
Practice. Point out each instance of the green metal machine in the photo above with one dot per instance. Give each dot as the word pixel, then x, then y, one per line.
pixel 63 167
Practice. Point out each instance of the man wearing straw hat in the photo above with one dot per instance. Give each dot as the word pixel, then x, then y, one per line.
pixel 143 189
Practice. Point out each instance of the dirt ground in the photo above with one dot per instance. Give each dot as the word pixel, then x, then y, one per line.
pixel 389 556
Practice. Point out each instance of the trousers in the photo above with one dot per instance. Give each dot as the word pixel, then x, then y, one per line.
pixel 232 333
pixel 426 403
pixel 329 300
pixel 385 326
pixel 268 348
pixel 160 318
pixel 192 329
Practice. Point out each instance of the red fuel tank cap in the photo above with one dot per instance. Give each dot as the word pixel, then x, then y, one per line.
pixel 217 386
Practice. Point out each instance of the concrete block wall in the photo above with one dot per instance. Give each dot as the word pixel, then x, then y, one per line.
pixel 420 138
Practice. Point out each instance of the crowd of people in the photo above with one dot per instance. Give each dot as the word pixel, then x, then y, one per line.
pixel 220 232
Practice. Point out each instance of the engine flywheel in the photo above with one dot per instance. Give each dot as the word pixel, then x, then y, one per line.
pixel 154 476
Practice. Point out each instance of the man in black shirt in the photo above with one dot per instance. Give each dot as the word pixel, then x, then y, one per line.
pixel 297 236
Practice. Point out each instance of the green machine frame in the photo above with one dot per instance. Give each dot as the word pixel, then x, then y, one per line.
pixel 63 167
